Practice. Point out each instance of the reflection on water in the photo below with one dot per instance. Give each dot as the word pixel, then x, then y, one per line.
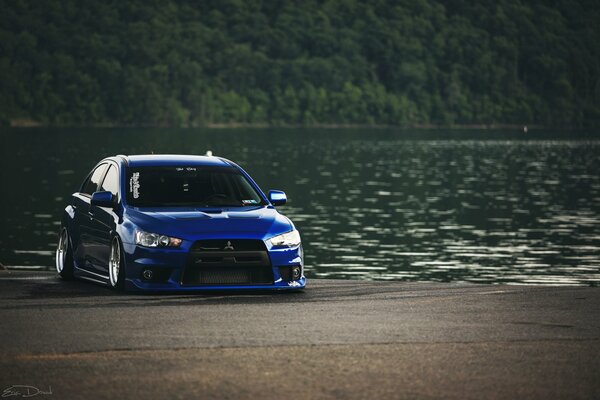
pixel 481 207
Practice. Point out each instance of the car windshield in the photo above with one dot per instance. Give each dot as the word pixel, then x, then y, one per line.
pixel 194 186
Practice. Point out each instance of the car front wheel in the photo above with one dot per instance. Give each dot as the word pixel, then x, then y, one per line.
pixel 116 270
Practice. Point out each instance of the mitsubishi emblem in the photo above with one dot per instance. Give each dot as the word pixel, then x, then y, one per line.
pixel 228 246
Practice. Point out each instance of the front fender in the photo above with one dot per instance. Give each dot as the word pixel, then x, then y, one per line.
pixel 126 232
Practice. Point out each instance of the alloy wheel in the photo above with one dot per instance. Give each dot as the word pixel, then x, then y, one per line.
pixel 114 263
pixel 61 251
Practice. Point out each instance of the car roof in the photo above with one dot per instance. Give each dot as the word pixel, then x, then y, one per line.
pixel 153 160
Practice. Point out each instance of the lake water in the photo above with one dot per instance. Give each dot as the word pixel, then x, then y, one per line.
pixel 477 206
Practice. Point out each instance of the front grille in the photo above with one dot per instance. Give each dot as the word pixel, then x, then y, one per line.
pixel 228 262
pixel 225 244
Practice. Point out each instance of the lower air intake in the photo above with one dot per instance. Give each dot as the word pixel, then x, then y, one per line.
pixel 228 276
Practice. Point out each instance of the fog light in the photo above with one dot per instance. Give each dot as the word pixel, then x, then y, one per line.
pixel 296 273
pixel 147 274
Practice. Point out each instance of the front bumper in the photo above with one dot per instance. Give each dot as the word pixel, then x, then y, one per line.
pixel 169 266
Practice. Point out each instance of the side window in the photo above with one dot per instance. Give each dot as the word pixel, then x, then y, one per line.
pixel 91 184
pixel 111 181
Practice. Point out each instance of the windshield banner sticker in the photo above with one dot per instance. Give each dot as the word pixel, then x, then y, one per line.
pixel 250 201
pixel 134 185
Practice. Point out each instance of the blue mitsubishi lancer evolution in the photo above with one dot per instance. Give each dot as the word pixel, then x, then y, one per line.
pixel 178 222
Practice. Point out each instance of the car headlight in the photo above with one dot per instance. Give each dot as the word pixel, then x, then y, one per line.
pixel 148 239
pixel 289 239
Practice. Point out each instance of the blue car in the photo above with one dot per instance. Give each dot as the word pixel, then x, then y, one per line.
pixel 178 223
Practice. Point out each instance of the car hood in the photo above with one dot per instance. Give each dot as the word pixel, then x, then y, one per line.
pixel 192 223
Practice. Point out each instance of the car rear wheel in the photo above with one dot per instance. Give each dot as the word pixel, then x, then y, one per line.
pixel 116 270
pixel 64 256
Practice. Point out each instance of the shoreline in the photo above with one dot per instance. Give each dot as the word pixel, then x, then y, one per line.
pixel 240 125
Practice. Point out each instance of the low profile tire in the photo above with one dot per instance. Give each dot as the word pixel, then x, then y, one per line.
pixel 116 266
pixel 64 256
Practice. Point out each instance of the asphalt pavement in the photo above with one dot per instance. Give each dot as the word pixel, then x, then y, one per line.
pixel 335 340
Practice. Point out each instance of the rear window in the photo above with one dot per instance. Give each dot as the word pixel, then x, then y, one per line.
pixel 190 186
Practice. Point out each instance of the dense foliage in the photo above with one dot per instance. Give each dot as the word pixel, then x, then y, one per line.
pixel 189 63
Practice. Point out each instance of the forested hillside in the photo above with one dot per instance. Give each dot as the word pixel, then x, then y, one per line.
pixel 193 63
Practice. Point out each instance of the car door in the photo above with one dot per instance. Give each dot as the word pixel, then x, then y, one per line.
pixel 103 222
pixel 82 227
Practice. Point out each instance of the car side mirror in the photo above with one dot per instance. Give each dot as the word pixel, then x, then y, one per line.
pixel 103 199
pixel 277 197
